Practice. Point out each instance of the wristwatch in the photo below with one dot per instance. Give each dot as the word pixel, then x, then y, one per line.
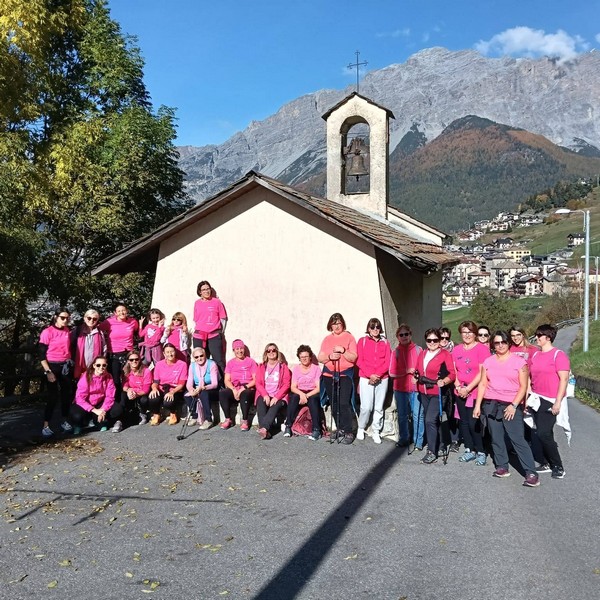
pixel 47 371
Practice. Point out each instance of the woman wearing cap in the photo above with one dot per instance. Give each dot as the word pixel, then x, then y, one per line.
pixel 468 358
pixel 203 376
pixel 87 342
pixel 402 366
pixel 373 362
pixel 55 356
pixel 95 398
pixel 338 355
pixel 273 379
pixel 170 377
pixel 210 319
pixel 239 381
pixel 500 393
pixel 437 367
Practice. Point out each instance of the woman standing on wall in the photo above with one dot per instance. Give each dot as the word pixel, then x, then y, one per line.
pixel 373 362
pixel 55 357
pixel 210 319
pixel 338 355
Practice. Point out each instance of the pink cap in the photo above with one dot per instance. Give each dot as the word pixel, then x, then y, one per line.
pixel 238 344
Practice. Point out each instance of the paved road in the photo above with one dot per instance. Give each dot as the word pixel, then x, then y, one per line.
pixel 225 515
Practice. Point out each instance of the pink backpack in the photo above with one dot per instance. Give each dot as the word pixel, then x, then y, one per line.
pixel 303 423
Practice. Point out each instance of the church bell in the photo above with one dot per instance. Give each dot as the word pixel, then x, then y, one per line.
pixel 355 154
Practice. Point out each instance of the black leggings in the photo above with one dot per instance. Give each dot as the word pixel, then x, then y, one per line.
pixel 470 428
pixel 155 404
pixel 342 408
pixel 81 417
pixel 314 406
pixel 229 404
pixel 61 388
pixel 268 414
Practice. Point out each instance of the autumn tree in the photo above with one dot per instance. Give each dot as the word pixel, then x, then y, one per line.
pixel 496 312
pixel 87 164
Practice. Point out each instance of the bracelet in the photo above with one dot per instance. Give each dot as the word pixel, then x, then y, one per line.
pixel 47 372
pixel 515 407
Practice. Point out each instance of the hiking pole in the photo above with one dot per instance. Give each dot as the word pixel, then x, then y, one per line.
pixel 337 412
pixel 191 410
pixel 331 438
pixel 443 422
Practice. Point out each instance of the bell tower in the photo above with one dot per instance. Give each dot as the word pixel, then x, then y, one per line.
pixel 357 154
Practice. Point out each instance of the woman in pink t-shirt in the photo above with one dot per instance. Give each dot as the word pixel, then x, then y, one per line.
pixel 55 357
pixel 137 382
pixel 519 344
pixel 549 379
pixel 468 358
pixel 210 319
pixel 170 377
pixel 273 380
pixel 240 384
pixel 338 355
pixel 305 390
pixel 500 393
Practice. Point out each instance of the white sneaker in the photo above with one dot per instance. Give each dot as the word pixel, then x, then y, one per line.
pixel 47 432
pixel 117 427
pixel 360 434
pixel 376 437
pixel 66 426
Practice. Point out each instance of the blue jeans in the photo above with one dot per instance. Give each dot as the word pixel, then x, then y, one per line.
pixel 408 403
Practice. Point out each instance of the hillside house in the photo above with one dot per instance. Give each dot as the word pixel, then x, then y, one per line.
pixel 575 239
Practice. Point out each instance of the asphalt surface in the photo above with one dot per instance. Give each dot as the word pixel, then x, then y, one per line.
pixel 222 514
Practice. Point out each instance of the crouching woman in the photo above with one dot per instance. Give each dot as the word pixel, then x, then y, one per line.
pixel 95 398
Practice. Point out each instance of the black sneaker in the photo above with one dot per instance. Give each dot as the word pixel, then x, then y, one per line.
pixel 454 447
pixel 543 469
pixel 558 472
pixel 288 431
pixel 347 439
pixel 429 458
pixel 315 435
pixel 402 444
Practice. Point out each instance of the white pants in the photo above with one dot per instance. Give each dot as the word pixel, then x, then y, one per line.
pixel 372 398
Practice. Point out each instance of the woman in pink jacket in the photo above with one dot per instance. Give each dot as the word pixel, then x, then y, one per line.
pixel 373 363
pixel 95 398
pixel 273 380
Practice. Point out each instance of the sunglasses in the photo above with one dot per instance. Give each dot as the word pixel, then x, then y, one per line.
pixel 539 335
pixel 196 356
pixel 432 340
pixel 502 343
pixel 101 366
pixel 91 318
pixel 272 350
pixel 445 337
pixel 177 319
pixel 374 326
pixel 403 334
pixel 133 359
pixel 63 317
pixel 483 335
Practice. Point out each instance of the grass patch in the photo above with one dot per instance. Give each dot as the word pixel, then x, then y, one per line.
pixel 587 363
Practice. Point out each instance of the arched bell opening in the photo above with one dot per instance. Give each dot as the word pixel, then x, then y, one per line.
pixel 356 156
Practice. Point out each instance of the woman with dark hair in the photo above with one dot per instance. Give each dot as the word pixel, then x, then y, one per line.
pixel 338 355
pixel 87 342
pixel 273 380
pixel 502 388
pixel 434 370
pixel 55 358
pixel 210 319
pixel 151 334
pixel 549 369
pixel 178 335
pixel 95 398
pixel 373 362
pixel 137 382
pixel 120 331
pixel 305 390
pixel 203 377
pixel 446 342
pixel 402 366
pixel 169 379
pixel 468 358
pixel 239 382
pixel 483 335
pixel 519 343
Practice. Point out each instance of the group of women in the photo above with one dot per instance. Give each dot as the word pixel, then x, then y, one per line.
pixel 480 383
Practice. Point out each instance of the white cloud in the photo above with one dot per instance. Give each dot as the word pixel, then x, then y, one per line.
pixel 524 41
pixel 397 33
pixel 597 38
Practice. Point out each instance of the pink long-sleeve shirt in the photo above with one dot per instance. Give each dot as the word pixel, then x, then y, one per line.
pixel 373 357
pixel 283 384
pixel 139 383
pixel 98 393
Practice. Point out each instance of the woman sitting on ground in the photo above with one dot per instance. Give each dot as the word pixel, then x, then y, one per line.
pixel 436 366
pixel 95 398
pixel 137 382
pixel 305 390
pixel 273 380
pixel 203 376
pixel 338 355
pixel 239 382
pixel 373 362
pixel 500 393
pixel 170 377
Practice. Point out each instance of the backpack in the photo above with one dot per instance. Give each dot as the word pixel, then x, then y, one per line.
pixel 303 423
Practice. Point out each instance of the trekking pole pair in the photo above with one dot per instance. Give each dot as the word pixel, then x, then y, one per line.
pixel 335 392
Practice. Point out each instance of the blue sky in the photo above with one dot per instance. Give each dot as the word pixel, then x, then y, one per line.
pixel 225 63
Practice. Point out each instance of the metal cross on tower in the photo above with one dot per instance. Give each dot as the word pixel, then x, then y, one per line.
pixel 357 65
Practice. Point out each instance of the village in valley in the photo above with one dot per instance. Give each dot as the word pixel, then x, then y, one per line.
pixel 493 259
